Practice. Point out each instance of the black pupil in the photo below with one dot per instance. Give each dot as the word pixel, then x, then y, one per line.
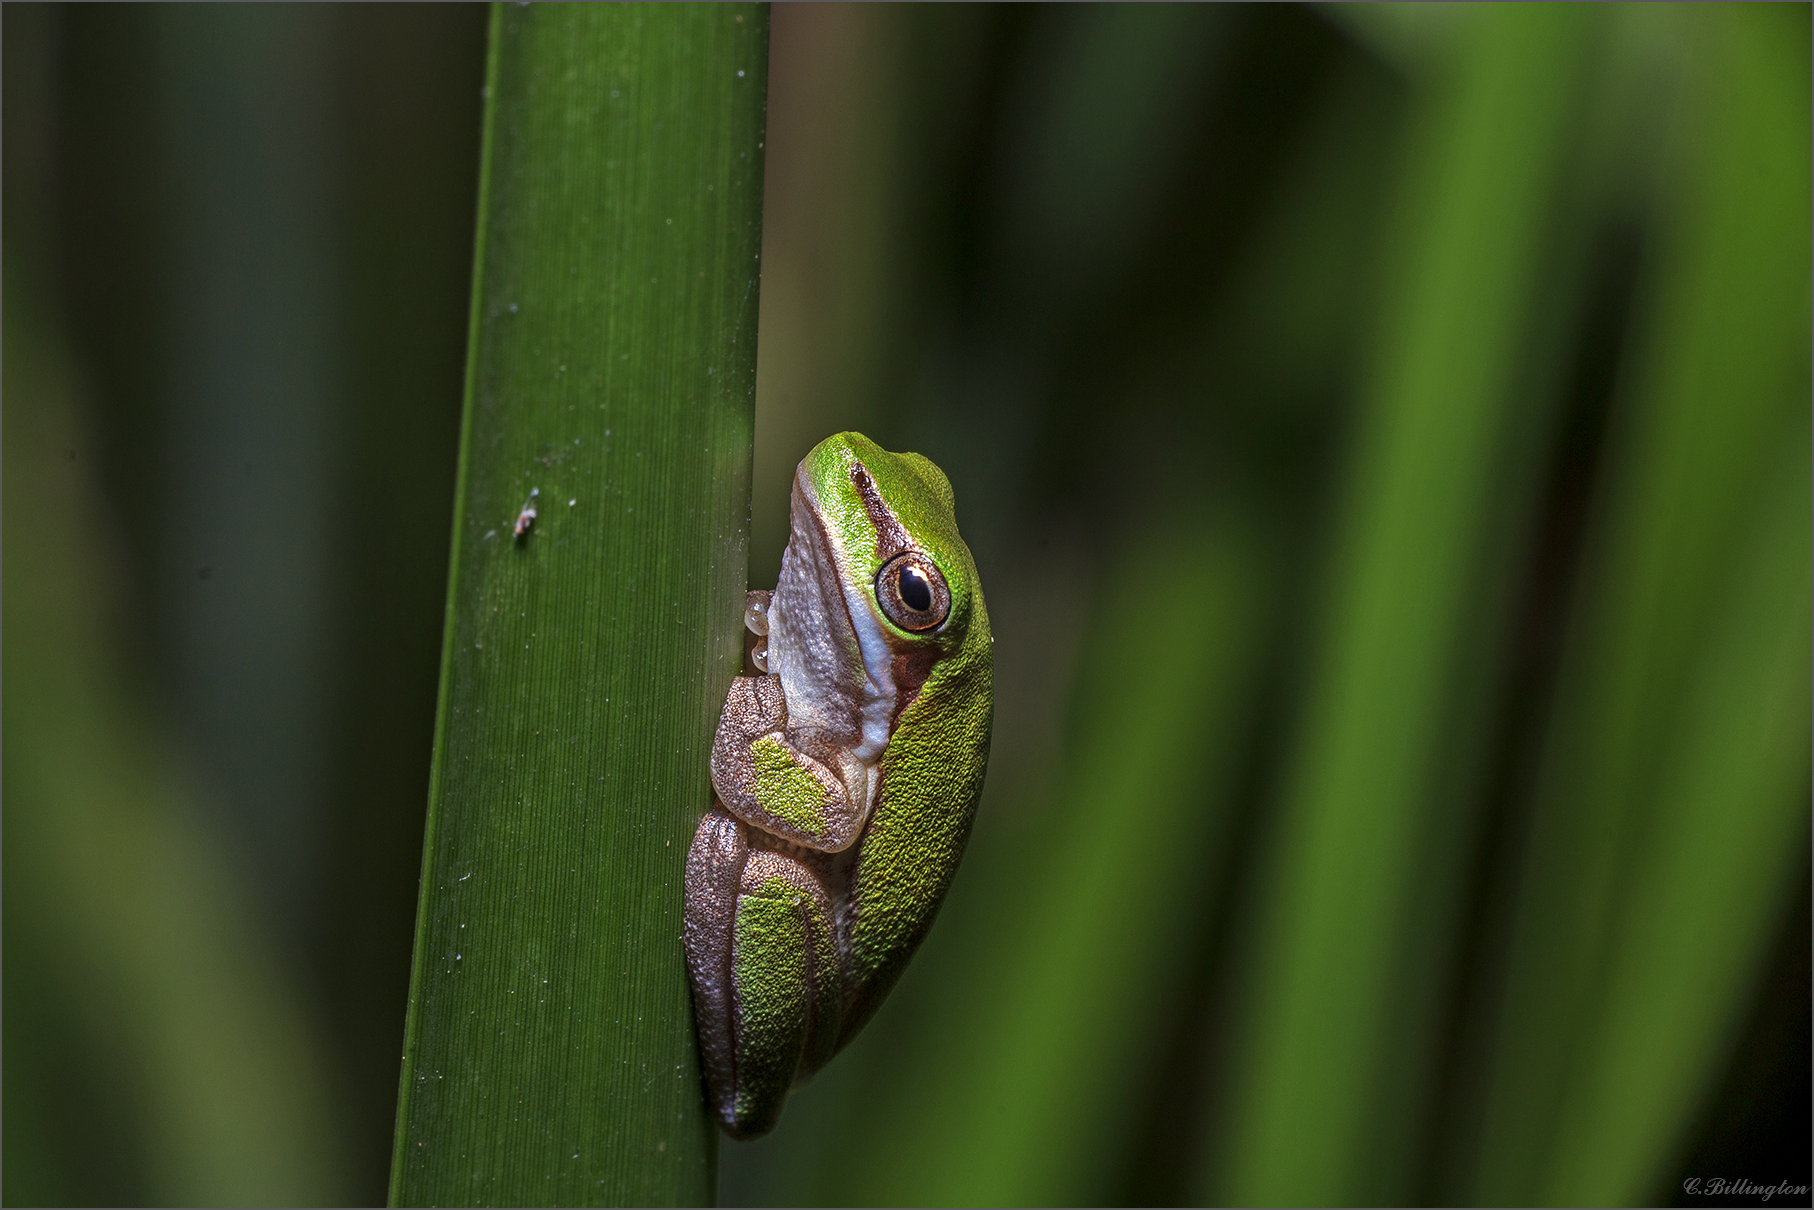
pixel 916 589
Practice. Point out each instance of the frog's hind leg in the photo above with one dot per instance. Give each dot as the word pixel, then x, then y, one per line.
pixel 785 986
pixel 715 863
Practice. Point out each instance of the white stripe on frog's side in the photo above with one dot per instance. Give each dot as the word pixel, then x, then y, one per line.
pixel 878 665
pixel 876 700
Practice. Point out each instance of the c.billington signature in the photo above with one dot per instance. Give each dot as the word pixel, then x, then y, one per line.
pixel 1719 1186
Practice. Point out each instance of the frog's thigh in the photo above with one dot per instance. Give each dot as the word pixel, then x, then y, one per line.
pixel 784 975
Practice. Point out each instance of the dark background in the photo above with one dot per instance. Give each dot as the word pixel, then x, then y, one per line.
pixel 1116 270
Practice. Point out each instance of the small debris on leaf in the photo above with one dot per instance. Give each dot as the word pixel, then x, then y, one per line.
pixel 526 517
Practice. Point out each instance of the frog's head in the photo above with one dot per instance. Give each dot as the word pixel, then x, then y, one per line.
pixel 891 525
pixel 876 586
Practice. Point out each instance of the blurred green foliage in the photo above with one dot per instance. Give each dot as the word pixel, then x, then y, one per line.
pixel 154 1049
pixel 238 240
pixel 1384 436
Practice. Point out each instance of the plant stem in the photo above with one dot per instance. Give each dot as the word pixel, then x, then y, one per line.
pixel 549 1056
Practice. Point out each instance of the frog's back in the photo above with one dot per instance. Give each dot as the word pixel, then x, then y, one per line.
pixel 932 778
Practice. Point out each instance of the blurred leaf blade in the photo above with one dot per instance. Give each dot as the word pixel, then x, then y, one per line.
pixel 1611 1021
pixel 123 916
pixel 550 1056
pixel 1709 880
pixel 1490 139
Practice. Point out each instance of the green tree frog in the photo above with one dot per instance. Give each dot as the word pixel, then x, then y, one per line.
pixel 847 773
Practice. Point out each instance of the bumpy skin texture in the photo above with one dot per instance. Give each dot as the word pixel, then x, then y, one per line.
pixel 847 778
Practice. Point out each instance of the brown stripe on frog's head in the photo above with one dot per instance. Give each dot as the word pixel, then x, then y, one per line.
pixel 891 535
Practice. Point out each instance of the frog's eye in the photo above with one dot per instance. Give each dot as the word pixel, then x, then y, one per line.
pixel 912 592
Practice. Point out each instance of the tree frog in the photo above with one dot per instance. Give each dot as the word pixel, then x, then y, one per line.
pixel 846 774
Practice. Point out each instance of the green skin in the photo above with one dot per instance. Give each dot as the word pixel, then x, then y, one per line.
pixel 847 775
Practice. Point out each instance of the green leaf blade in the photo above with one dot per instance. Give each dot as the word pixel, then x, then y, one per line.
pixel 550 1055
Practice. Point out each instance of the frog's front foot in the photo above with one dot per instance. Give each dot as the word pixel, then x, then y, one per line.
pixel 780 781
